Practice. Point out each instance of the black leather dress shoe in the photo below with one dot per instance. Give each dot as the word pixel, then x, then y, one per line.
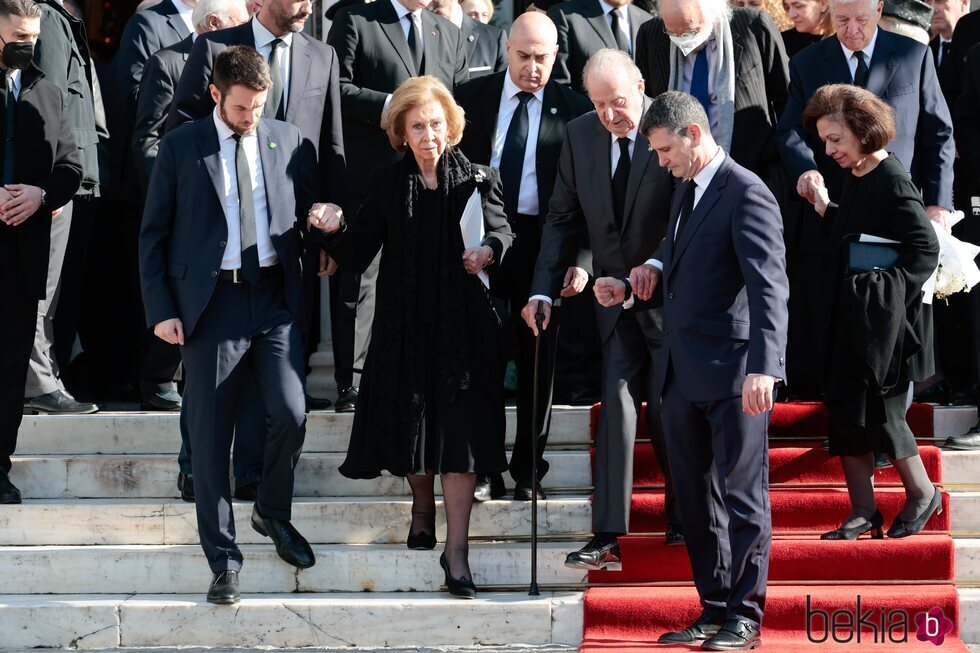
pixel 8 491
pixel 224 588
pixel 247 492
pixel 61 403
pixel 906 527
pixel 735 635
pixel 316 403
pixel 168 400
pixel 522 491
pixel 969 441
pixel 290 545
pixel 941 394
pixel 347 401
pixel 699 631
pixel 596 555
pixel 489 486
pixel 674 535
pixel 185 483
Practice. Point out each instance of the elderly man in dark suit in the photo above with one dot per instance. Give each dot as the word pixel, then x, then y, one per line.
pixel 722 271
pixel 610 192
pixel 485 45
pixel 901 72
pixel 41 169
pixel 516 122
pixel 220 264
pixel 380 45
pixel 587 26
pixel 735 65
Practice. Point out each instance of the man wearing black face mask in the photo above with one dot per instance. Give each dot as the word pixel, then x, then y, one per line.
pixel 41 170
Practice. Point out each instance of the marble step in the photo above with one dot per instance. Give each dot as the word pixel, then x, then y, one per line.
pixel 969 615
pixel 155 475
pixel 335 520
pixel 967 560
pixel 159 433
pixel 181 569
pixel 291 621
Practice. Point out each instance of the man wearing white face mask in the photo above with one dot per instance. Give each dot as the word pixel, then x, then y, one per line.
pixel 691 48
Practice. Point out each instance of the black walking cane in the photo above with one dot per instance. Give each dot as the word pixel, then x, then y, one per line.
pixel 539 321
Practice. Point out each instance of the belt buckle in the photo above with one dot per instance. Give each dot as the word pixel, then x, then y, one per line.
pixel 236 276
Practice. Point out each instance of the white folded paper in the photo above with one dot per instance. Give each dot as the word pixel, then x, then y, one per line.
pixel 471 226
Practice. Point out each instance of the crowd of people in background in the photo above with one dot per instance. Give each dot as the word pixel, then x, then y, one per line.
pixel 543 121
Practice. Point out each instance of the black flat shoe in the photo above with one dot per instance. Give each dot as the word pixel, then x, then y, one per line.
pixel 185 485
pixel 906 527
pixel 290 545
pixel 735 635
pixel 522 491
pixel 489 486
pixel 9 494
pixel 224 588
pixel 844 533
pixel 699 631
pixel 420 541
pixel 674 536
pixel 461 587
pixel 316 403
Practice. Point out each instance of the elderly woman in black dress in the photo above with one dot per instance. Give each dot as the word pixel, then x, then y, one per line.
pixel 878 331
pixel 430 400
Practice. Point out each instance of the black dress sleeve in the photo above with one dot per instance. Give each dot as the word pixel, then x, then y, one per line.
pixel 356 246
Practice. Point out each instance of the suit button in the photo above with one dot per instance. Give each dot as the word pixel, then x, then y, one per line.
pixel 670 295
pixel 214 273
pixel 222 244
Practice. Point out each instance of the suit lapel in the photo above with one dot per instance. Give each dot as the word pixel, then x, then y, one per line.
pixel 737 49
pixel 675 207
pixel 430 40
pixel 299 74
pixel 485 118
pixel 549 134
pixel 597 19
pixel 211 153
pixel 635 17
pixel 268 156
pixel 179 26
pixel 708 199
pixel 836 68
pixel 883 65
pixel 392 27
pixel 603 174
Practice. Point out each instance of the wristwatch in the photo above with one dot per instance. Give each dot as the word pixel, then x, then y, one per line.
pixel 629 289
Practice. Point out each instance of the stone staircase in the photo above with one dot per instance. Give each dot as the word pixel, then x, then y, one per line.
pixel 103 554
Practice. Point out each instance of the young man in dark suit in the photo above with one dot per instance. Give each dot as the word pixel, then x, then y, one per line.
pixel 220 263
pixel 41 171
pixel 516 122
pixel 611 193
pixel 721 268
pixel 587 26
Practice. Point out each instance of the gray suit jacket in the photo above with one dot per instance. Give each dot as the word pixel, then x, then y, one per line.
pixel 374 61
pixel 183 232
pixel 485 46
pixel 156 94
pixel 582 31
pixel 581 211
pixel 725 288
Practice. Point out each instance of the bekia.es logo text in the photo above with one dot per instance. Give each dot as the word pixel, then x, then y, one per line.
pixel 875 626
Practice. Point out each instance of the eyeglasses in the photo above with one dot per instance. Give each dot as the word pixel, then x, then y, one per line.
pixel 684 35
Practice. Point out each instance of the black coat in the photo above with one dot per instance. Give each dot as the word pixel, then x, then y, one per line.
pixel 485 47
pixel 794 41
pixel 45 156
pixel 313 104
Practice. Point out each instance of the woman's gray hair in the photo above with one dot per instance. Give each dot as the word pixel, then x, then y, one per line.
pixel 675 112
pixel 610 59
pixel 205 8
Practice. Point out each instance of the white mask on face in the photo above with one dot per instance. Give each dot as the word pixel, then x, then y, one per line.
pixel 688 44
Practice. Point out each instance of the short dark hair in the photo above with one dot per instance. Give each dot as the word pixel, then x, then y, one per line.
pixel 868 117
pixel 674 111
pixel 239 65
pixel 23 8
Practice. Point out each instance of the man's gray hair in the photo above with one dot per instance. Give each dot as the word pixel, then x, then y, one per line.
pixel 715 11
pixel 222 8
pixel 675 112
pixel 608 59
pixel 873 4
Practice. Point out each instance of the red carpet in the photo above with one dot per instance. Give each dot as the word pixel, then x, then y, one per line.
pixel 896 580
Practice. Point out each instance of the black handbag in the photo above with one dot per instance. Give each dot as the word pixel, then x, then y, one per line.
pixel 865 257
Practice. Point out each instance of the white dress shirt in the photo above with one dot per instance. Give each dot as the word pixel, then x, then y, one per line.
pixel 232 259
pixel 457 17
pixel 263 44
pixel 852 62
pixel 184 11
pixel 624 20
pixel 527 202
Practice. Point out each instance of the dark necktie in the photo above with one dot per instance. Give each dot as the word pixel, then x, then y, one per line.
pixel 414 44
pixel 699 79
pixel 246 215
pixel 618 34
pixel 274 106
pixel 942 53
pixel 861 72
pixel 620 180
pixel 512 156
pixel 10 130
pixel 687 206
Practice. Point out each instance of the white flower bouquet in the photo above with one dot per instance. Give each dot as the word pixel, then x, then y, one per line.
pixel 957 271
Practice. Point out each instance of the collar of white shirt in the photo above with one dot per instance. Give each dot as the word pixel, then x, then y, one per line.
pixel 868 51
pixel 264 37
pixel 457 18
pixel 608 8
pixel 632 136
pixel 181 7
pixel 14 75
pixel 224 131
pixel 402 11
pixel 703 178
pixel 511 89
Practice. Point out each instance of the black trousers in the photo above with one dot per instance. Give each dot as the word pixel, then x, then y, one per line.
pixel 244 330
pixel 719 457
pixel 16 341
